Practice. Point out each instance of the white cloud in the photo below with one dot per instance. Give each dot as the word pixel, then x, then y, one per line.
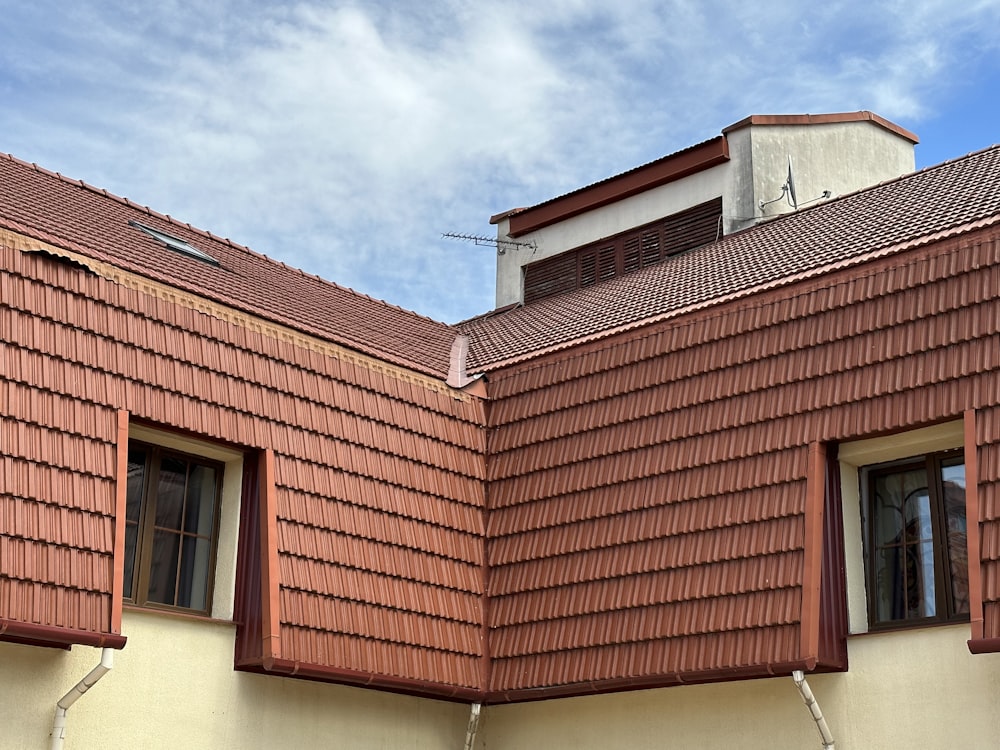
pixel 345 137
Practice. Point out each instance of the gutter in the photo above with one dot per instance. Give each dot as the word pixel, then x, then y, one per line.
pixel 406 685
pixel 622 684
pixel 50 635
pixel 64 703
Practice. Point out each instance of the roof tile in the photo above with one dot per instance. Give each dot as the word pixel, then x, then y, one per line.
pixel 93 220
pixel 924 205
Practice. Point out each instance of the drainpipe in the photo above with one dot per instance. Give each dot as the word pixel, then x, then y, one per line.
pixel 810 700
pixel 59 723
pixel 470 735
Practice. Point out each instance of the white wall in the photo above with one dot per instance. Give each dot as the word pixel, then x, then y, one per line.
pixel 905 689
pixel 173 686
pixel 839 157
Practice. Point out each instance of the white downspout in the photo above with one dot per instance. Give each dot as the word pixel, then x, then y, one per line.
pixel 810 700
pixel 59 723
pixel 470 734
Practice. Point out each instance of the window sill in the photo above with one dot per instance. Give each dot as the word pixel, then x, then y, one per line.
pixel 924 625
pixel 177 614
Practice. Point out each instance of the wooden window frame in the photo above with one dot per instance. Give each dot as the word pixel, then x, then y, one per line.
pixel 931 463
pixel 142 554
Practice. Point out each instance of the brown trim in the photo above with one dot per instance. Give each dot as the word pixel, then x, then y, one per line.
pixel 247 608
pixel 49 635
pixel 725 674
pixel 984 645
pixel 826 119
pixel 812 567
pixel 667 169
pixel 121 500
pixel 427 689
pixel 382 682
pixel 972 521
pixel 269 588
pixel 833 625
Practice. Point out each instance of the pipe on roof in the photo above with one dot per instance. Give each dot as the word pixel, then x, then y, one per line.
pixel 810 700
pixel 64 703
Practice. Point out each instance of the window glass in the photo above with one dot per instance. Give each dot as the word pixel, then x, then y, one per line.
pixel 171 528
pixel 917 560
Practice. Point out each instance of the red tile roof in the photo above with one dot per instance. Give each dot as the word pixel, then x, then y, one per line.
pixel 378 482
pixel 916 208
pixel 59 210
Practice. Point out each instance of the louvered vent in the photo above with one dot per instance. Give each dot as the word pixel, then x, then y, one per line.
pixel 623 253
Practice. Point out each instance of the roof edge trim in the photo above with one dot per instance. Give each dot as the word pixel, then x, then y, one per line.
pixel 666 169
pixel 58 636
pixel 623 684
pixel 325 673
pixel 824 119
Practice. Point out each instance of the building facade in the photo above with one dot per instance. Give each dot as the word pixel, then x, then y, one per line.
pixel 659 508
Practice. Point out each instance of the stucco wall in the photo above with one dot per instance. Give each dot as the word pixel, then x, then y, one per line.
pixel 839 157
pixel 912 689
pixel 173 686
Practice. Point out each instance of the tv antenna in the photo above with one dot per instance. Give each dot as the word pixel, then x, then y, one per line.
pixel 501 245
pixel 788 192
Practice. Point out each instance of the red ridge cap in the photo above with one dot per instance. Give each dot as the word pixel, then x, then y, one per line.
pixel 824 119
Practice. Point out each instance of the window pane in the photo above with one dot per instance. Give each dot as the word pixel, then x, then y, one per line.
pixel 201 494
pixel 195 562
pixel 135 482
pixel 163 567
pixel 170 492
pixel 136 478
pixel 953 494
pixel 902 527
pixel 131 532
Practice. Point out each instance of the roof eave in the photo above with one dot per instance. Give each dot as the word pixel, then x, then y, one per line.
pixel 667 169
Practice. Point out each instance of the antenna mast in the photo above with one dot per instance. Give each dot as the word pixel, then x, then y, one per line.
pixel 501 245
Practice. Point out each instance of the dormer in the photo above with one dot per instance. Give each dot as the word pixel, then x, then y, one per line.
pixel 758 168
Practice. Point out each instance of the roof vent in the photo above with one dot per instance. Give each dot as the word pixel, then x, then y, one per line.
pixel 176 243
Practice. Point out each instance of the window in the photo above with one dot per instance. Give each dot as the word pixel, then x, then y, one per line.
pixel 175 243
pixel 916 558
pixel 171 528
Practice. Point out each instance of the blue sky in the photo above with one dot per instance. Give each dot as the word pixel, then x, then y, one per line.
pixel 345 137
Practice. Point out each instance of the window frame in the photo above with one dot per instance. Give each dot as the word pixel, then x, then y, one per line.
pixel 944 575
pixel 143 552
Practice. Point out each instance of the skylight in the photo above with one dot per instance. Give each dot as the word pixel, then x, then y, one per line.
pixel 175 243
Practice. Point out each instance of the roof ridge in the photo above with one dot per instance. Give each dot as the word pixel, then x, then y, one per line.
pixel 205 233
